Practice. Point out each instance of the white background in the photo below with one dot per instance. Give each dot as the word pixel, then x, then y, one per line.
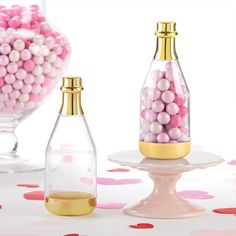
pixel 113 43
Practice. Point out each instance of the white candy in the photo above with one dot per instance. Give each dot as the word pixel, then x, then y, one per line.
pixel 25 55
pixel 52 57
pixel 44 51
pixel 145 126
pixel 156 128
pixel 39 79
pixel 5 48
pixel 3 71
pixel 163 84
pixel 57 49
pixel 49 42
pixel 10 31
pixel 39 60
pixel 47 67
pixel 21 74
pixel 19 45
pixel 157 75
pixel 3 97
pixel 27 88
pixel 10 78
pixel 38 70
pixel 7 88
pixel 39 39
pixel 4 60
pixel 58 63
pixel 53 73
pixel 34 48
pixel 174 133
pixel 30 105
pixel 36 89
pixel 24 97
pixel 44 91
pixel 14 56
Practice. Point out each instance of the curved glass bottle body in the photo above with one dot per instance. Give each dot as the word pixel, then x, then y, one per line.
pixel 70 181
pixel 165 119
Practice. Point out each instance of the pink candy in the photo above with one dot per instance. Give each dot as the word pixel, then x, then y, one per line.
pixel 164 115
pixel 32 60
pixel 176 121
pixel 29 65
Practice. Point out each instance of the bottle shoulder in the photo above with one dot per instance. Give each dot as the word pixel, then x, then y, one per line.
pixel 71 131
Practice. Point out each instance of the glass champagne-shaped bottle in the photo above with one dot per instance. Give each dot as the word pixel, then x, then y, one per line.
pixel 165 121
pixel 70 186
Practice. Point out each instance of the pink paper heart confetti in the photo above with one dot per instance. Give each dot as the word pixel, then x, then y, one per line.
pixel 86 180
pixel 212 232
pixel 195 194
pixel 110 205
pixel 68 158
pixel 28 185
pixel 111 181
pixel 232 162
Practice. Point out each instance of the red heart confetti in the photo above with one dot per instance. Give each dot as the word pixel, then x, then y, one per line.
pixel 142 226
pixel 73 234
pixel 118 170
pixel 35 195
pixel 0 206
pixel 225 211
pixel 28 185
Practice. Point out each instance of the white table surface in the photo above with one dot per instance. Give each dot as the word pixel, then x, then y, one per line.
pixel 20 217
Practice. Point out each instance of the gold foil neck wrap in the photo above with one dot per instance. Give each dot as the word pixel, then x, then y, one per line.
pixel 71 84
pixel 71 96
pixel 166 29
pixel 166 33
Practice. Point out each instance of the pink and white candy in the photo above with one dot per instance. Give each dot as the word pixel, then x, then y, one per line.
pixel 165 112
pixel 30 63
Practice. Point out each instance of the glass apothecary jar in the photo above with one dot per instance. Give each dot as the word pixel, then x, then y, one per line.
pixel 33 57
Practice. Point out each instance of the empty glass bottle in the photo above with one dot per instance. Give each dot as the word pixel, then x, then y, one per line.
pixel 70 187
pixel 165 125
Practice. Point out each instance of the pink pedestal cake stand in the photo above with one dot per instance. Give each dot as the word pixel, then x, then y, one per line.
pixel 164 202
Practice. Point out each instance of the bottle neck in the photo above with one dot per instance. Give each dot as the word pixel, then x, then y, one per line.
pixel 165 49
pixel 71 104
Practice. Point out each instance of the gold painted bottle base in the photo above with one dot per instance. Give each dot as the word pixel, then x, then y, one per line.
pixel 165 151
pixel 70 203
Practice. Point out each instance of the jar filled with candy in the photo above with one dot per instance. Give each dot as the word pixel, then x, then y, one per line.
pixel 33 56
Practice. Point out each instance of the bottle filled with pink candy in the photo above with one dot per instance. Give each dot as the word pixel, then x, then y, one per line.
pixel 165 119
pixel 33 57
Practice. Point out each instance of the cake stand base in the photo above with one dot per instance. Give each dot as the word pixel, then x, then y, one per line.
pixel 164 201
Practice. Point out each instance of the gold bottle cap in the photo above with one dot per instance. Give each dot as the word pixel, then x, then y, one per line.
pixel 166 29
pixel 71 84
